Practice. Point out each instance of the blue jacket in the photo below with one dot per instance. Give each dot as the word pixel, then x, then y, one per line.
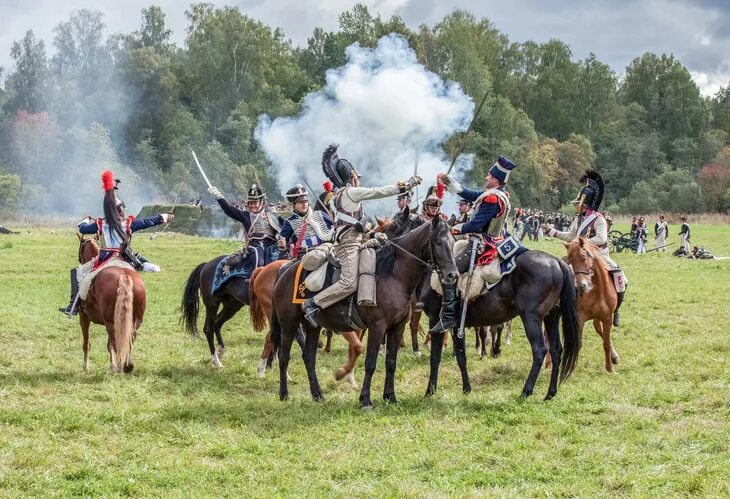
pixel 290 236
pixel 134 226
pixel 488 209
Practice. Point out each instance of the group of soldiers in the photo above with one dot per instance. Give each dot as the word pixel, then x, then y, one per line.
pixel 340 219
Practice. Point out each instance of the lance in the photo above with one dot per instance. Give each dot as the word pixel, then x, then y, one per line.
pixel 205 177
pixel 473 120
pixel 658 248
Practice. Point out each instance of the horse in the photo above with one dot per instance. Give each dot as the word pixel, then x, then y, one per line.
pixel 540 290
pixel 261 291
pixel 117 299
pixel 597 296
pixel 400 269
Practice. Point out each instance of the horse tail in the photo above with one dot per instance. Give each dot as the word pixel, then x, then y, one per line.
pixel 571 331
pixel 190 305
pixel 258 318
pixel 123 326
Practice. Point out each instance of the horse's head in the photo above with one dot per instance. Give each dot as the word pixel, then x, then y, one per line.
pixel 441 249
pixel 403 222
pixel 88 248
pixel 581 258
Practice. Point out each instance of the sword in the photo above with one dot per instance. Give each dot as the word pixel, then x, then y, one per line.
pixel 205 177
pixel 316 197
pixel 174 205
pixel 474 244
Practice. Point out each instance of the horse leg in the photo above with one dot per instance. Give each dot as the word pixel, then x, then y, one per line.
pixel 548 358
pixel 287 338
pixel 604 331
pixel 85 322
pixel 533 331
pixel 375 337
pixel 328 345
pixel 268 347
pixel 230 308
pixel 209 330
pixel 354 350
pixel 552 331
pixel 508 336
pixel 414 324
pixel 111 347
pixel 394 338
pixel 496 341
pixel 309 355
pixel 460 352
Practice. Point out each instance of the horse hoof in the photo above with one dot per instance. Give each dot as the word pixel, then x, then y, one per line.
pixel 283 396
pixel 368 407
pixel 467 390
pixel 390 398
pixel 429 392
pixel 417 354
pixel 318 397
pixel 615 359
pixel 525 394
pixel 128 368
pixel 549 396
pixel 340 373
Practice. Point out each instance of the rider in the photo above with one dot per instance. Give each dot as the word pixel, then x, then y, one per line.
pixel 305 228
pixel 261 226
pixel 464 207
pixel 489 216
pixel 117 231
pixel 591 224
pixel 431 205
pixel 349 226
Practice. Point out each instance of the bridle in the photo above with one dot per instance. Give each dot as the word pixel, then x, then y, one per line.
pixel 589 271
pixel 429 262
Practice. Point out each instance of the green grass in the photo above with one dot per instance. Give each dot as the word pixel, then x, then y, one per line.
pixel 177 427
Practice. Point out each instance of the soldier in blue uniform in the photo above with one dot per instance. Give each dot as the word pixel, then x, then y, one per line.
pixel 261 226
pixel 117 231
pixel 304 229
pixel 491 207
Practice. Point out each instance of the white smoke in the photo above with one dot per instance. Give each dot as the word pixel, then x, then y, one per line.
pixel 384 109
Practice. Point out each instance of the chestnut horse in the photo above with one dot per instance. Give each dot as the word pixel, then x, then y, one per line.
pixel 116 299
pixel 596 294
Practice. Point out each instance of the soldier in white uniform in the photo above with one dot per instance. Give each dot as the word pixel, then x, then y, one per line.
pixel 592 225
pixel 348 213
pixel 660 232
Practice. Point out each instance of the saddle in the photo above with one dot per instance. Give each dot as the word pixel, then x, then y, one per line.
pixel 240 264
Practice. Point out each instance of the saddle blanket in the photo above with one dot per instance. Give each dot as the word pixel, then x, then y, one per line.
pixel 87 272
pixel 301 292
pixel 484 278
pixel 242 264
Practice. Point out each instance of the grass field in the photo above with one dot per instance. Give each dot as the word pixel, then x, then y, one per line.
pixel 177 427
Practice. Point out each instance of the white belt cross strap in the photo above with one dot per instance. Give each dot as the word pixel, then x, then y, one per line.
pixel 345 218
pixel 585 223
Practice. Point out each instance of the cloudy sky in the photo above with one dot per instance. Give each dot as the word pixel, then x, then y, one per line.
pixel 695 31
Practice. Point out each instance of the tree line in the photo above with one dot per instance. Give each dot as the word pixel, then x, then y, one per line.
pixel 136 101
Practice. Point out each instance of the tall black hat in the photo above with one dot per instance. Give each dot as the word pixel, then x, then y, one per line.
pixel 296 193
pixel 591 194
pixel 339 171
pixel 255 193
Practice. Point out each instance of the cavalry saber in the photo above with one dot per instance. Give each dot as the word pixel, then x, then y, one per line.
pixel 205 177
pixel 472 258
pixel 473 120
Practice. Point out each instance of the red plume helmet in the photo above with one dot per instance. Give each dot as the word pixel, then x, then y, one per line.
pixel 440 189
pixel 328 186
pixel 107 180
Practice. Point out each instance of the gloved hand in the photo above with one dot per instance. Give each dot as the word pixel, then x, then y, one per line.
pixel 167 217
pixel 308 217
pixel 215 192
pixel 451 185
pixel 456 229
pixel 410 183
pixel 380 236
pixel 281 244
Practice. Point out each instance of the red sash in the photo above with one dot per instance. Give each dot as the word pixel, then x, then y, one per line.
pixel 298 245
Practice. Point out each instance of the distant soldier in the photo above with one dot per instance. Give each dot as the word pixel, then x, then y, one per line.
pixel 684 234
pixel 660 233
pixel 641 235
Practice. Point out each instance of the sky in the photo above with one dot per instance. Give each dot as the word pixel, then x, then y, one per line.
pixel 697 32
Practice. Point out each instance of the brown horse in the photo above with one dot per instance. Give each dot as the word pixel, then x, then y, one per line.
pixel 596 294
pixel 116 299
pixel 260 295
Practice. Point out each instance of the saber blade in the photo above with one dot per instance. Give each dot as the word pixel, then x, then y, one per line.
pixel 205 177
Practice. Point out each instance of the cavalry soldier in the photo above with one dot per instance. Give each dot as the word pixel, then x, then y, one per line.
pixel 463 217
pixel 349 222
pixel 661 229
pixel 489 218
pixel 117 231
pixel 431 205
pixel 304 229
pixel 261 226
pixel 591 224
pixel 684 234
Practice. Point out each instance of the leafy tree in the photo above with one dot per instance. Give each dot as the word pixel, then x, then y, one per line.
pixel 28 85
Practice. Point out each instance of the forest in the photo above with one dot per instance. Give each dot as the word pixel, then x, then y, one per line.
pixel 137 102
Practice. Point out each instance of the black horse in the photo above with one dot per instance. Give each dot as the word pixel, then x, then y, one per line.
pixel 233 295
pixel 540 291
pixel 400 270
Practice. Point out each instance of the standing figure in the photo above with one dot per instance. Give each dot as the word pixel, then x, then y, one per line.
pixel 641 235
pixel 661 229
pixel 684 234
pixel 117 230
pixel 349 220
pixel 591 224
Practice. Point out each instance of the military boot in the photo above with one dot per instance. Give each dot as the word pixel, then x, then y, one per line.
pixel 616 315
pixel 70 309
pixel 447 315
pixel 310 310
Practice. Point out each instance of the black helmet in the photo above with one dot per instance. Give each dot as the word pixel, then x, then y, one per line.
pixel 255 193
pixel 296 193
pixel 432 198
pixel 404 193
pixel 591 194
pixel 339 171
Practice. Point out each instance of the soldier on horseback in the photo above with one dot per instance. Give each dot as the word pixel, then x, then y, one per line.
pixel 592 225
pixel 261 226
pixel 304 229
pixel 491 207
pixel 349 225
pixel 117 231
pixel 431 206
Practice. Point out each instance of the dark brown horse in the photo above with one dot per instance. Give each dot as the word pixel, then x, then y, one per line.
pixel 540 291
pixel 400 269
pixel 116 299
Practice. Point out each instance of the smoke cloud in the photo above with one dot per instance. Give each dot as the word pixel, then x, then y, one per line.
pixel 384 109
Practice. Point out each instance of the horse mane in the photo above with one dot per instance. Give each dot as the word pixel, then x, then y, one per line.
pixel 386 255
pixel 593 251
